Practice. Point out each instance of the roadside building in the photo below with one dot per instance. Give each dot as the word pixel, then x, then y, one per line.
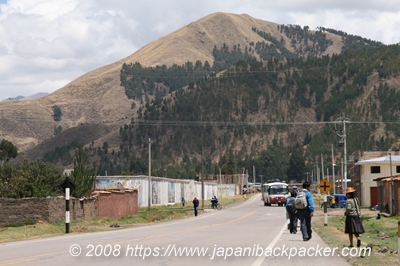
pixel 388 194
pixel 365 167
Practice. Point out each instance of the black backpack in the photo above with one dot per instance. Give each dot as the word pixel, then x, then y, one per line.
pixel 291 206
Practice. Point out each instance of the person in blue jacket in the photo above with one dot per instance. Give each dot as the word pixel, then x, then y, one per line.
pixel 306 214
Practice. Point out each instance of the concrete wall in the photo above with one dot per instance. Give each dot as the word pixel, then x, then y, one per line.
pixel 366 180
pixel 165 190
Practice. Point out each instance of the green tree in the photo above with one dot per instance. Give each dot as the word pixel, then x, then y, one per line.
pixel 43 178
pixel 57 130
pixel 57 113
pixel 229 168
pixel 7 151
pixel 82 177
pixel 30 179
pixel 296 167
pixel 12 185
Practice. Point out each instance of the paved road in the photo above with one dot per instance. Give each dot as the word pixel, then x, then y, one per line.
pixel 246 234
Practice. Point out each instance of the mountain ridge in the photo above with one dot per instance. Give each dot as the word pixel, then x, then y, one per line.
pixel 97 97
pixel 92 96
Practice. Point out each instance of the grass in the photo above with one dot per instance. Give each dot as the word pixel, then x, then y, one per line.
pixel 156 214
pixel 379 233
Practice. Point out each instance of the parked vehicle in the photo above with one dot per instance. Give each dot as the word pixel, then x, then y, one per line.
pixel 340 200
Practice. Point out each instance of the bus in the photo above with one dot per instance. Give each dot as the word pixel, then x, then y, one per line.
pixel 275 192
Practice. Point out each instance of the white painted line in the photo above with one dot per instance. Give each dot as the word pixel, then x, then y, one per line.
pixel 261 259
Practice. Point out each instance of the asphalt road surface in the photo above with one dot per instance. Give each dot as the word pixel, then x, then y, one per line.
pixel 245 234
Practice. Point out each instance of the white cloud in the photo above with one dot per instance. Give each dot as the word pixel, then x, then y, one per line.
pixel 44 44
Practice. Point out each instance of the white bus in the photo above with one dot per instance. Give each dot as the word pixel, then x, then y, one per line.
pixel 275 193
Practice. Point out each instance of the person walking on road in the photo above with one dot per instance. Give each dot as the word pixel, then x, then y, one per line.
pixel 292 211
pixel 183 202
pixel 353 224
pixel 305 210
pixel 195 205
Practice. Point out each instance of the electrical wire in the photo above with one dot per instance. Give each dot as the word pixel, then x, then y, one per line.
pixel 138 122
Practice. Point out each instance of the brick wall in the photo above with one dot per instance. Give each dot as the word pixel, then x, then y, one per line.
pixel 115 204
pixel 89 209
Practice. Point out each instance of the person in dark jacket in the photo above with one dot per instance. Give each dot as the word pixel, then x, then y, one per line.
pixel 214 202
pixel 353 224
pixel 195 205
pixel 292 212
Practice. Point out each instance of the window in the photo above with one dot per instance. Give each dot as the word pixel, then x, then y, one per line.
pixel 375 169
pixel 397 168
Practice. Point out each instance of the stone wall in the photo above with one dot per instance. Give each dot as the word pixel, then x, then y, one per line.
pixel 112 204
pixel 29 210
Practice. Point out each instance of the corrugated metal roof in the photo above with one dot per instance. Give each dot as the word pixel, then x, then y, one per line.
pixel 387 178
pixel 380 160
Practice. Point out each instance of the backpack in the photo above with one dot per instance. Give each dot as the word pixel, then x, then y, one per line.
pixel 301 201
pixel 291 206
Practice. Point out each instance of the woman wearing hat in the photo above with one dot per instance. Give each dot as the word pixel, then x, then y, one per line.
pixel 353 225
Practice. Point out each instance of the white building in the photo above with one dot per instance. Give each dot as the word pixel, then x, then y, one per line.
pixel 364 171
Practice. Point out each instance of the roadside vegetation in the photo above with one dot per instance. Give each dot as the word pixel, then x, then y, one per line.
pixel 381 234
pixel 16 232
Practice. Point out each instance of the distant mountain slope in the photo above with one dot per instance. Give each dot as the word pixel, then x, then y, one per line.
pixel 98 97
pixel 19 97
pixel 35 96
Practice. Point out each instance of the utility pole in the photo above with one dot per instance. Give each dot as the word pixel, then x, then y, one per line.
pixel 241 188
pixel 345 153
pixel 333 172
pixel 307 176
pixel 322 167
pixel 254 179
pixel 327 174
pixel 220 182
pixel 342 175
pixel 150 192
pixel 392 183
pixel 202 181
pixel 318 178
pixel 343 142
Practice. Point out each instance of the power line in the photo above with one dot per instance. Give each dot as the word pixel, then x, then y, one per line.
pixel 138 122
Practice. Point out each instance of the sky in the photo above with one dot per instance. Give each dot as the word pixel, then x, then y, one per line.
pixel 45 44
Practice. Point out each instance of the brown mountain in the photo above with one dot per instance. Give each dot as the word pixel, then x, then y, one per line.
pixel 98 98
